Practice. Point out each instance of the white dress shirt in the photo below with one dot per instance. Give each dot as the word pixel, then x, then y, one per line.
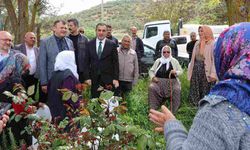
pixel 32 59
pixel 97 44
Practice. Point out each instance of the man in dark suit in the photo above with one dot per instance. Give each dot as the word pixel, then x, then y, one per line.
pixel 79 41
pixel 29 49
pixel 49 48
pixel 110 36
pixel 102 65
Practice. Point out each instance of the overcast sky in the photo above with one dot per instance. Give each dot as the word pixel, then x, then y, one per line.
pixel 67 6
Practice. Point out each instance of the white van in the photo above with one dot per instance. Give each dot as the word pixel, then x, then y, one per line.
pixel 153 32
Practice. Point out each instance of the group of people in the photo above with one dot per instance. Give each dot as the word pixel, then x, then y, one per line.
pixel 223 119
pixel 166 69
pixel 65 60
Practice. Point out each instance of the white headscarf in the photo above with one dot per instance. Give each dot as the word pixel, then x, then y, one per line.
pixel 66 60
pixel 164 60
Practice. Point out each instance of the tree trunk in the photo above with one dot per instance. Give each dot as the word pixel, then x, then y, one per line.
pixel 11 13
pixel 238 11
pixel 23 18
pixel 38 33
pixel 34 12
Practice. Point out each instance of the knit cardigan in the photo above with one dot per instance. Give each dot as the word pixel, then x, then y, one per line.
pixel 218 125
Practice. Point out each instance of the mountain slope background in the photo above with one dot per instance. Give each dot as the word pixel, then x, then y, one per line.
pixel 122 14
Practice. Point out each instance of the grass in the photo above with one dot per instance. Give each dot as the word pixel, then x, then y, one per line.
pixel 137 103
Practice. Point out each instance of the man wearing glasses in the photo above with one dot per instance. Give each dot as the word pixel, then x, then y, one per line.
pixel 5 44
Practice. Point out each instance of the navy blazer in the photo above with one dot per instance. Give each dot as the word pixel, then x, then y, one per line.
pixel 107 66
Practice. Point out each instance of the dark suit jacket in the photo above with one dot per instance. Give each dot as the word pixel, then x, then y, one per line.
pixel 81 46
pixel 22 49
pixel 139 48
pixel 107 66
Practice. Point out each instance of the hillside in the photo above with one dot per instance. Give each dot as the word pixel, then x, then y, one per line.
pixel 121 14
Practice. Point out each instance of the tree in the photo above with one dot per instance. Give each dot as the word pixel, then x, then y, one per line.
pixel 18 12
pixel 191 11
pixel 238 11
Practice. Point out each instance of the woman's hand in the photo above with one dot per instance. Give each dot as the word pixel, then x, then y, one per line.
pixel 173 72
pixel 4 120
pixel 159 118
pixel 212 79
pixel 155 79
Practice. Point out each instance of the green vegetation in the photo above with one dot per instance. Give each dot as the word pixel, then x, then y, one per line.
pixel 137 103
pixel 134 128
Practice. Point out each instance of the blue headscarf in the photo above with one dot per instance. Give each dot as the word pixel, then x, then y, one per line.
pixel 232 62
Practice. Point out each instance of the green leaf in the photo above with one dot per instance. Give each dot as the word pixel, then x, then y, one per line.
pixel 18 118
pixel 33 117
pixel 31 90
pixel 109 130
pixel 22 132
pixel 102 101
pixel 106 94
pixel 7 93
pixel 12 117
pixel 133 129
pixel 66 95
pixel 74 97
pixel 17 100
pixel 151 143
pixel 142 142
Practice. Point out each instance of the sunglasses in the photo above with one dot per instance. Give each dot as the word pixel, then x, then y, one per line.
pixel 166 52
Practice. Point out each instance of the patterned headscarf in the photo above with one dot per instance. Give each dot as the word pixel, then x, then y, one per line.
pixel 208 36
pixel 232 61
pixel 13 66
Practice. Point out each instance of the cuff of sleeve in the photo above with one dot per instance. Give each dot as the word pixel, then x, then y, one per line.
pixel 172 126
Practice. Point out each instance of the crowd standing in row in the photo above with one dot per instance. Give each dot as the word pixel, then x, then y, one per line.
pixel 63 61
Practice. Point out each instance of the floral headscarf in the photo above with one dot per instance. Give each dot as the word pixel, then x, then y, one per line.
pixel 13 66
pixel 232 61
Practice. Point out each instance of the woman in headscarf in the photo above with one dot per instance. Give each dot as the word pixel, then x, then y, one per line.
pixel 164 81
pixel 64 77
pixel 223 119
pixel 12 68
pixel 201 70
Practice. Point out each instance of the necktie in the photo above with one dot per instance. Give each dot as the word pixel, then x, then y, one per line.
pixel 99 50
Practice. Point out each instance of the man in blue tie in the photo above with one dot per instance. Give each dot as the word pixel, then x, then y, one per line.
pixel 102 67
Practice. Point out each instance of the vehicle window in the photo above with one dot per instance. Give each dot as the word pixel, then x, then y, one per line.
pixel 180 40
pixel 151 31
